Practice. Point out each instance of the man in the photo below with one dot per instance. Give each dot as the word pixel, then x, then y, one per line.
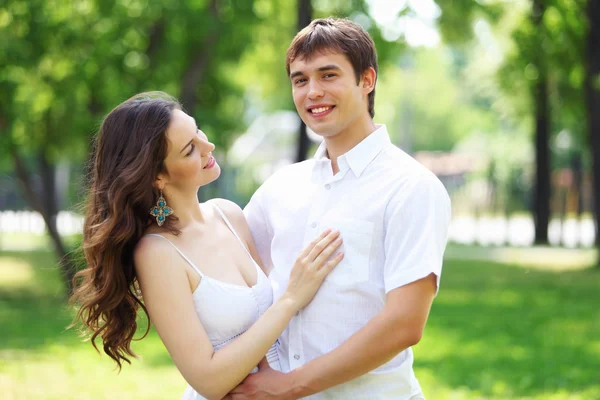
pixel 353 341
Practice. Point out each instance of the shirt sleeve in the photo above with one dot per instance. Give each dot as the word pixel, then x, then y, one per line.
pixel 416 232
pixel 260 227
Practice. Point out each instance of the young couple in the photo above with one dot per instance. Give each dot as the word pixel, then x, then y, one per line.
pixel 318 288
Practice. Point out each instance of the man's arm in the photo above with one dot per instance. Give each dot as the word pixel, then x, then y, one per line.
pixel 416 230
pixel 397 327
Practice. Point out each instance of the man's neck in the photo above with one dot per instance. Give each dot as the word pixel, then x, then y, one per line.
pixel 345 140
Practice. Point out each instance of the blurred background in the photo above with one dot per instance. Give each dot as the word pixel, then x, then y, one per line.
pixel 499 98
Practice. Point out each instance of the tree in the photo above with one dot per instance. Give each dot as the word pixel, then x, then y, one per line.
pixel 542 191
pixel 63 65
pixel 304 18
pixel 592 97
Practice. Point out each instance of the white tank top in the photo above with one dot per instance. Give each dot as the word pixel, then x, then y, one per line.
pixel 227 310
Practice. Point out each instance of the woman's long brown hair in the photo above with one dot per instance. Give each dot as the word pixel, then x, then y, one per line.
pixel 129 153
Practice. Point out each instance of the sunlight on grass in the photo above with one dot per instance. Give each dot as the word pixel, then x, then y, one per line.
pixel 61 365
pixel 15 272
pixel 541 257
pixel 495 332
pixel 500 332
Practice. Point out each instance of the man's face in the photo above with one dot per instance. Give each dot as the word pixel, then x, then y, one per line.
pixel 326 94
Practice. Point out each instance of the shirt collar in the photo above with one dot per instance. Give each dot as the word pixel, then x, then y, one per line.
pixel 361 155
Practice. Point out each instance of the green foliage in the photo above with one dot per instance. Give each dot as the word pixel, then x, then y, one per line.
pixel 551 49
pixel 66 64
pixel 427 103
pixel 456 20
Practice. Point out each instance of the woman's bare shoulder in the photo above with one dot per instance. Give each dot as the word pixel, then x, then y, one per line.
pixel 149 249
pixel 232 211
pixel 235 215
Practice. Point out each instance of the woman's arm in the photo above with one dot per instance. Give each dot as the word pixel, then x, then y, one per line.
pixel 169 301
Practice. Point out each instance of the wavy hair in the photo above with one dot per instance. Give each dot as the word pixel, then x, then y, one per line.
pixel 129 153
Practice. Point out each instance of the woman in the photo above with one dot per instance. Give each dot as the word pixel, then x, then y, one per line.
pixel 196 265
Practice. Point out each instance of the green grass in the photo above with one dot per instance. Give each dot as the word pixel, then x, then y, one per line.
pixel 495 332
pixel 40 359
pixel 502 332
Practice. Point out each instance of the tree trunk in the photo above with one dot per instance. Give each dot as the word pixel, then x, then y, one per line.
pixel 577 167
pixel 542 158
pixel 541 202
pixel 46 206
pixel 200 60
pixel 304 18
pixel 592 99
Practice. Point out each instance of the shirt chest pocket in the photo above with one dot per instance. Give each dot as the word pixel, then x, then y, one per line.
pixel 358 237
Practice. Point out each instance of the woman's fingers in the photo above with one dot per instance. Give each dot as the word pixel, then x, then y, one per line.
pixel 306 251
pixel 329 265
pixel 328 251
pixel 321 245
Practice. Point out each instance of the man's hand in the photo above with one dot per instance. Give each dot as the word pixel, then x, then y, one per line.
pixel 265 384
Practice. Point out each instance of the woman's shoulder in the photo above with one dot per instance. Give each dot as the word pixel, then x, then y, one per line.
pixel 150 247
pixel 234 214
pixel 232 211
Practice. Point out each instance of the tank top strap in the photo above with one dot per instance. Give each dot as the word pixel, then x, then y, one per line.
pixel 231 228
pixel 179 251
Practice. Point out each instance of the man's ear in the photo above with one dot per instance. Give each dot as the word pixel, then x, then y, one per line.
pixel 369 77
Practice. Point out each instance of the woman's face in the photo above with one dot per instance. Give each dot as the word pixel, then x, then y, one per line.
pixel 189 160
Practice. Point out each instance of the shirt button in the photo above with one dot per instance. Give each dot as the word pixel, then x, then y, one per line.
pixel 327 187
pixel 297 313
pixel 313 225
pixel 296 357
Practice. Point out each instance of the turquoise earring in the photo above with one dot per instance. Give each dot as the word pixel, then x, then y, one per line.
pixel 161 211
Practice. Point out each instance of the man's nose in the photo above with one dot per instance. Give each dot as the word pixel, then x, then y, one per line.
pixel 315 90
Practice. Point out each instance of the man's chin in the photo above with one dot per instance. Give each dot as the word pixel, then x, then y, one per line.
pixel 322 131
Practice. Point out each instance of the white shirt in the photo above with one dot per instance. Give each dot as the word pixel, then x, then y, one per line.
pixel 393 215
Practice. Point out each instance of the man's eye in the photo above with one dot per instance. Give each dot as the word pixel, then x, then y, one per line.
pixel 301 80
pixel 329 75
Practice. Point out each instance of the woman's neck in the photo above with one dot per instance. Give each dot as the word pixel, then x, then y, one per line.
pixel 185 207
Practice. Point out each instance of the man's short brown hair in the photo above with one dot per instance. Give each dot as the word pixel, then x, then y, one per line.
pixel 338 35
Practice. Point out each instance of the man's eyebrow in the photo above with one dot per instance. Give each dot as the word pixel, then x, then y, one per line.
pixel 295 74
pixel 320 69
pixel 328 67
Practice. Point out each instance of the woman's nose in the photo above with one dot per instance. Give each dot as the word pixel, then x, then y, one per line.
pixel 207 146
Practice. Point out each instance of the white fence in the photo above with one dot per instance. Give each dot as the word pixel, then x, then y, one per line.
pixel 515 231
pixel 67 223
pixel 519 231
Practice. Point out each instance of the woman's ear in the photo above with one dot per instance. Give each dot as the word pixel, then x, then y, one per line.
pixel 369 78
pixel 160 182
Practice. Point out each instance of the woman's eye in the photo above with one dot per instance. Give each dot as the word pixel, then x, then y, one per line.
pixel 329 75
pixel 191 149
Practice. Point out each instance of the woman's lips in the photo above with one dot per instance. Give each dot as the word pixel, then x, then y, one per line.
pixel 211 163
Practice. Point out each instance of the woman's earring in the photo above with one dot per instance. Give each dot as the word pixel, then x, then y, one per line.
pixel 161 211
